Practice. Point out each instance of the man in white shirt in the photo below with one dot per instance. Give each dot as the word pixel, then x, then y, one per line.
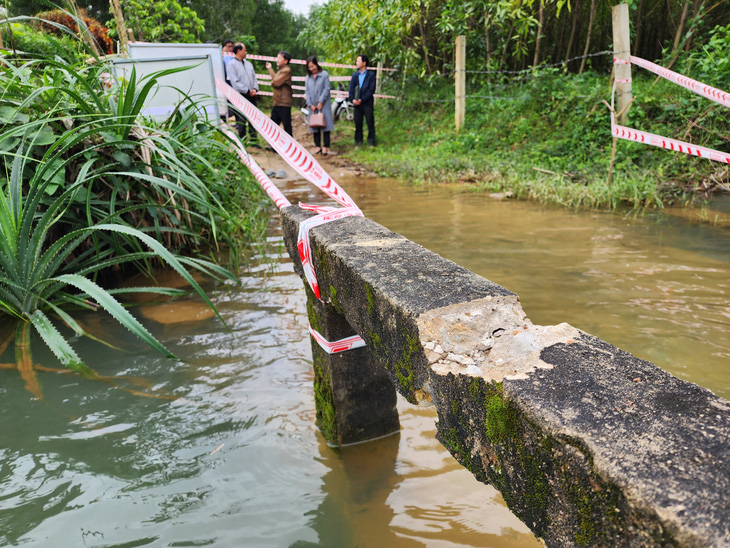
pixel 242 77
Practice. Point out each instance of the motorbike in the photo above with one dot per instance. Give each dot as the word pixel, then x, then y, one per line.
pixel 342 107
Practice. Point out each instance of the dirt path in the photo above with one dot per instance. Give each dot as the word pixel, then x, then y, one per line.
pixel 334 163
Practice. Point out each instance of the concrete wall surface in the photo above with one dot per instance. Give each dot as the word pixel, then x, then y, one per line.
pixel 589 445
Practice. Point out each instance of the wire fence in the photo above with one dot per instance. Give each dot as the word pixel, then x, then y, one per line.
pixel 517 76
pixel 537 68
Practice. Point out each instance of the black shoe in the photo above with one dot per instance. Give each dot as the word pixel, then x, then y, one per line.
pixel 254 145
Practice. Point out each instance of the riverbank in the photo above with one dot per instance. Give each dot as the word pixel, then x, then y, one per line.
pixel 547 139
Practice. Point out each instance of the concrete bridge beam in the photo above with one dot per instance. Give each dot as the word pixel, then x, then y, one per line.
pixel 589 445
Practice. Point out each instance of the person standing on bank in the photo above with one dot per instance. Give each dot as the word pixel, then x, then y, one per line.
pixel 227 52
pixel 362 90
pixel 317 95
pixel 243 79
pixel 281 82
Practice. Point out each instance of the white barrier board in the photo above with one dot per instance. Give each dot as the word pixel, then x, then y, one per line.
pixel 148 50
pixel 196 80
pixel 145 50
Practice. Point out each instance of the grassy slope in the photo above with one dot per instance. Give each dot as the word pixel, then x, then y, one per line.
pixel 548 138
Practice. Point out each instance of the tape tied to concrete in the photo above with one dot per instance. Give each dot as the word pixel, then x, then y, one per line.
pixel 348 343
pixel 325 214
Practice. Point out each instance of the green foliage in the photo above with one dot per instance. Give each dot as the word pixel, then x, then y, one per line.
pixel 89 190
pixel 547 138
pixel 35 43
pixel 161 21
pixel 418 36
pixel 275 29
pixel 711 62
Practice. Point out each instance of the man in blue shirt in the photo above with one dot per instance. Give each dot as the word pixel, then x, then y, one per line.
pixel 227 52
pixel 362 90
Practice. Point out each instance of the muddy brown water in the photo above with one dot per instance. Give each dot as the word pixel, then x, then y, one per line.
pixel 235 459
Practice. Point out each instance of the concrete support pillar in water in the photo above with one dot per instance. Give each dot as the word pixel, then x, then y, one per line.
pixel 354 397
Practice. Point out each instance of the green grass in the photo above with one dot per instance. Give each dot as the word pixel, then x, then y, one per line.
pixel 548 138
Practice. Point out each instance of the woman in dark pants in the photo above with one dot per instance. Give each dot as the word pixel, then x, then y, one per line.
pixel 317 95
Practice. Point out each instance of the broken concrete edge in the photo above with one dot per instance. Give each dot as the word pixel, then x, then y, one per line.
pixel 556 419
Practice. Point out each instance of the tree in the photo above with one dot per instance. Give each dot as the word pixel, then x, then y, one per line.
pixel 161 21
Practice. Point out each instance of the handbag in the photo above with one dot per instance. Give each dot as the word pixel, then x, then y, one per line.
pixel 316 119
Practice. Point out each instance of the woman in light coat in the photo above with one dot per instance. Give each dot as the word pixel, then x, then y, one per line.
pixel 317 95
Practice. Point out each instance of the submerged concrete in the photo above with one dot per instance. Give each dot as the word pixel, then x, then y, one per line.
pixel 589 445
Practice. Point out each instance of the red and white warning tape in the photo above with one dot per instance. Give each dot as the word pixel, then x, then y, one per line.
pixel 298 158
pixel 623 132
pixel 711 93
pixel 324 215
pixel 304 78
pixel 348 343
pixel 269 187
pixel 289 149
pixel 299 61
pixel 335 92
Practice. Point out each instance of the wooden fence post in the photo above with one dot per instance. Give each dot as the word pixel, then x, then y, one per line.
pixel 460 81
pixel 121 27
pixel 378 79
pixel 622 72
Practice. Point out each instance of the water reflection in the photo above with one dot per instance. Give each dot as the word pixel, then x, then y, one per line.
pixel 235 459
pixel 357 484
pixel 653 285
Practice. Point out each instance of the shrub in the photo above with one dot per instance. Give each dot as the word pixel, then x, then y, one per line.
pixel 61 17
pixel 36 43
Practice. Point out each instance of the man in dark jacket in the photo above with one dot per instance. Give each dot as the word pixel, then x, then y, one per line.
pixel 362 89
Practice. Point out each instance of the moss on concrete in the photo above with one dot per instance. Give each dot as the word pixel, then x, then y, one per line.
pixel 334 301
pixel 370 294
pixel 324 401
pixel 376 345
pixel 312 315
pixel 404 371
pixel 452 438
pixel 476 388
pixel 323 266
pixel 500 423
